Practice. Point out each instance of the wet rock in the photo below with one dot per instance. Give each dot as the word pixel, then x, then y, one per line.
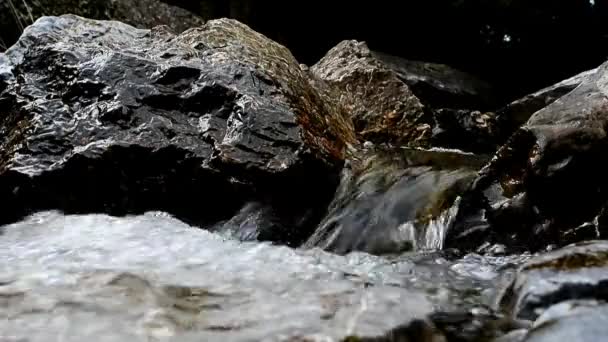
pixel 441 86
pixel 577 272
pixel 584 321
pixel 98 116
pixel 15 16
pixel 395 101
pixel 382 107
pixel 548 179
pixel 515 114
pixel 466 130
pixel 468 326
pixel 395 201
pixel 512 336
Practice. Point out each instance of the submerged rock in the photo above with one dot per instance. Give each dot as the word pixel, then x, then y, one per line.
pixel 97 116
pixel 395 101
pixel 547 180
pixel 577 272
pixel 15 16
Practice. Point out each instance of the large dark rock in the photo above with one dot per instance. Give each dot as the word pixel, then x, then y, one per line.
pixel 97 116
pixel 547 180
pixel 517 113
pixel 15 16
pixel 440 86
pixel 584 321
pixel 577 272
pixel 395 101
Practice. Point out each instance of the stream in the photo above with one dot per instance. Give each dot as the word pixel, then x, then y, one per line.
pixel 152 277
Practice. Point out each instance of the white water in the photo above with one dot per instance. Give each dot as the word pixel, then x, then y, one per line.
pixel 94 277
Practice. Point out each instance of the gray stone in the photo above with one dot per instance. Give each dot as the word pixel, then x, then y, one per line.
pixel 577 272
pixel 516 113
pixel 15 16
pixel 547 180
pixel 571 321
pixel 98 116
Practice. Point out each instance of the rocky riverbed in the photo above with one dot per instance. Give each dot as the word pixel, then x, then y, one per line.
pixel 205 185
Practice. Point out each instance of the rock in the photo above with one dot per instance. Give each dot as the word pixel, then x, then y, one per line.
pixel 466 130
pixel 515 114
pixel 98 116
pixel 584 321
pixel 395 101
pixel 547 180
pixel 15 16
pixel 439 85
pixel 513 336
pixel 382 107
pixel 576 272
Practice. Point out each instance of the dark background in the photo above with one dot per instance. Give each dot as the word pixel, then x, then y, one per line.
pixel 519 45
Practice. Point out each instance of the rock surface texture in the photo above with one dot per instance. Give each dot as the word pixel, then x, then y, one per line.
pixel 395 101
pixel 98 116
pixel 15 16
pixel 547 185
pixel 562 292
pixel 576 272
pixel 381 106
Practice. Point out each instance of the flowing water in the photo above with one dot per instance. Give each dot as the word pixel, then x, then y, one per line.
pixel 396 201
pixel 154 278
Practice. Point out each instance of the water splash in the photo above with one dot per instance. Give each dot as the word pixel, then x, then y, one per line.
pixel 431 236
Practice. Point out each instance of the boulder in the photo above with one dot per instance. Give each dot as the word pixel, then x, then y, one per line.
pixel 547 180
pixel 382 107
pixel 576 272
pixel 399 102
pixel 98 116
pixel 584 321
pixel 439 85
pixel 15 16
pixel 516 114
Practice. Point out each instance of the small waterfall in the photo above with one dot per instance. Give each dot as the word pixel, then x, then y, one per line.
pixel 396 201
pixel 431 237
pixel 246 225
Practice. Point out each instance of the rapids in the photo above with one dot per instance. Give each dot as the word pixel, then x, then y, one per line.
pixel 152 277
